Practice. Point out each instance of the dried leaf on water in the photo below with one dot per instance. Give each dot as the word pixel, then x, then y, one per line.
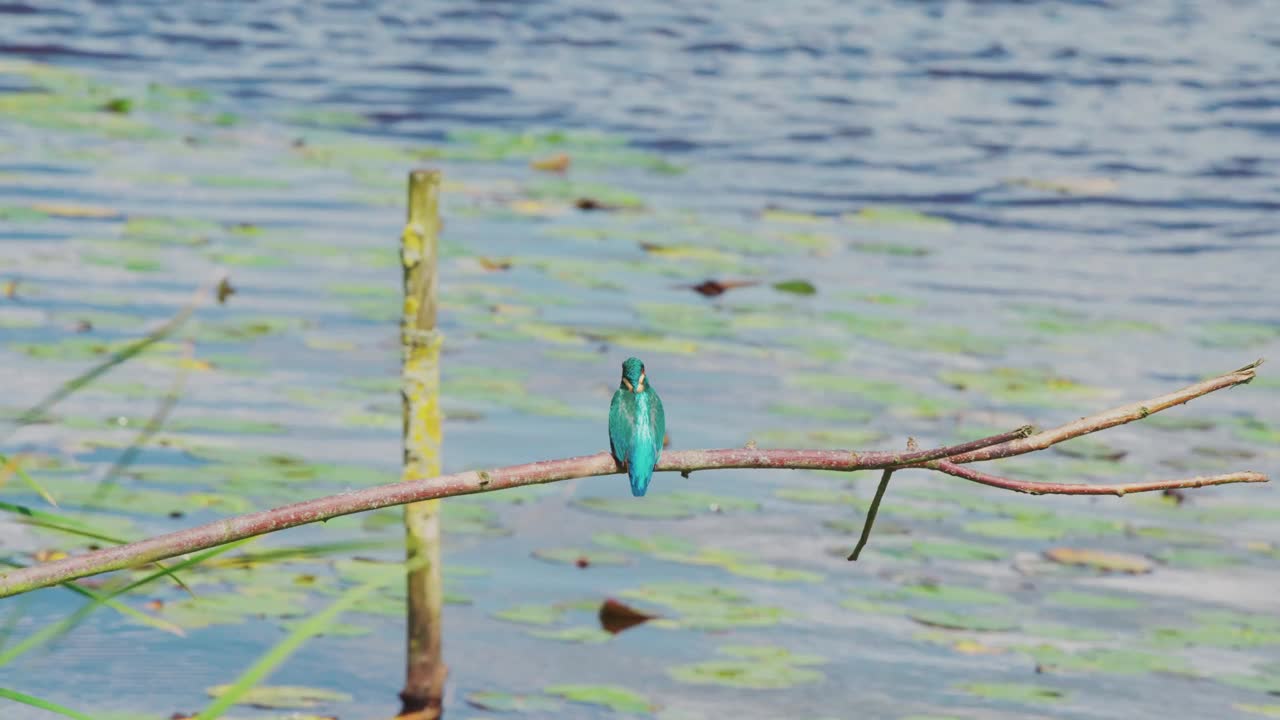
pixel 616 616
pixel 713 288
pixel 1100 560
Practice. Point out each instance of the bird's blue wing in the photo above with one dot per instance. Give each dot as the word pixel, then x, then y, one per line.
pixel 658 423
pixel 621 424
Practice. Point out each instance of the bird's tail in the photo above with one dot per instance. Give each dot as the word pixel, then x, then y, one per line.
pixel 640 471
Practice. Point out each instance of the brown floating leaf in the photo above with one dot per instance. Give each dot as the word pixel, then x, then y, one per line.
pixel 616 616
pixel 712 288
pixel 494 264
pixel 72 210
pixel 587 203
pixel 224 291
pixel 555 163
pixel 1100 560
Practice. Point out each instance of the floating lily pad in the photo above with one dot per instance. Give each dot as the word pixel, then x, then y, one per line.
pixel 656 545
pixel 673 505
pixel 947 550
pixel 581 634
pixel 1015 692
pixel 1106 660
pixel 1238 334
pixel 795 287
pixel 757 667
pixel 1190 557
pixel 1222 629
pixel 947 594
pixel 960 621
pixel 1093 601
pixel 887 215
pixel 1100 560
pixel 1044 526
pixel 581 558
pixel 896 397
pixel 1089 449
pixel 705 607
pixel 615 698
pixel 1272 711
pixel 851 438
pixel 823 411
pixel 499 701
pixel 284 697
pixel 1021 386
pixel 532 614
pixel 819 496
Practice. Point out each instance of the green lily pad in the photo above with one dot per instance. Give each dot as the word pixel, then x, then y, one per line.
pixel 1272 711
pixel 1238 334
pixel 795 287
pixel 879 392
pixel 705 607
pixel 744 674
pixel 582 634
pixel 499 701
pixel 949 620
pixel 284 697
pixel 820 411
pixel 1104 561
pixel 617 699
pixel 1020 386
pixel 1222 629
pixel 1015 692
pixel 756 667
pixel 672 505
pixel 1093 601
pixel 834 439
pixel 656 545
pixel 889 215
pixel 1089 449
pixel 947 594
pixel 1105 660
pixel 228 425
pixel 946 550
pixel 576 556
pixel 532 614
pixel 819 496
pixel 1044 526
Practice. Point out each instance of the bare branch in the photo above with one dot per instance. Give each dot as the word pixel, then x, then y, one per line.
pixel 1110 418
pixel 1046 488
pixel 1011 443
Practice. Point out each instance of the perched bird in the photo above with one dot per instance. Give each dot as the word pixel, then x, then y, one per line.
pixel 636 425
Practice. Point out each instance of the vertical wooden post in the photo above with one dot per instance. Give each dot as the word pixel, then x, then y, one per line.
pixel 426 671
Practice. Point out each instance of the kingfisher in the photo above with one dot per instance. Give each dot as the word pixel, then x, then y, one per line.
pixel 636 425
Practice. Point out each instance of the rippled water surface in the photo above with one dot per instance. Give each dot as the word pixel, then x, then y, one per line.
pixel 1008 213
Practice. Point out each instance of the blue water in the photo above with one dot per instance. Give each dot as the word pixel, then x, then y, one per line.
pixel 1113 164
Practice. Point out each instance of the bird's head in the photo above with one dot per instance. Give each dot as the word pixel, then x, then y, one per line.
pixel 633 377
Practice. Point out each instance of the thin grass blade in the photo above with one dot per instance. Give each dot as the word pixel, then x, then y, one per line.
pixel 304 631
pixel 36 702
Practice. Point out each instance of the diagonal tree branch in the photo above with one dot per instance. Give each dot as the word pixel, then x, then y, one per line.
pixel 1110 418
pixel 259 523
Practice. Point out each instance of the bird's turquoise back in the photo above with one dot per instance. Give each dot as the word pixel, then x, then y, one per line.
pixel 637 427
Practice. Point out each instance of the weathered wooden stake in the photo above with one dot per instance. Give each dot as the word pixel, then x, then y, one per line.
pixel 425 670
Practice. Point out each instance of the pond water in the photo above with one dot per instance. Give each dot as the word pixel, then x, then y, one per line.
pixel 1006 213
